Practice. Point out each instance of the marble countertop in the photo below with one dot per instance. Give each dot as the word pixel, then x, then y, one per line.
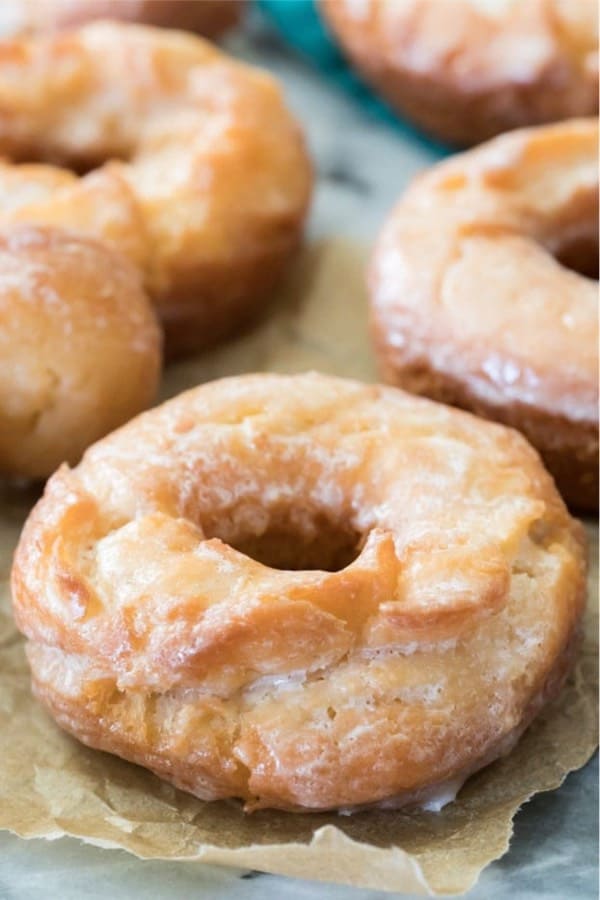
pixel 362 166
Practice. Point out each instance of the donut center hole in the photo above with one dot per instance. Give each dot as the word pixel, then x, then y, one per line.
pixel 580 255
pixel 319 543
pixel 78 164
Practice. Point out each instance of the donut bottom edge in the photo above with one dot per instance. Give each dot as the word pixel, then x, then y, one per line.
pixel 197 320
pixel 79 718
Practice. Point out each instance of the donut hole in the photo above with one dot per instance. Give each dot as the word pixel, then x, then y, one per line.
pixel 78 162
pixel 317 541
pixel 572 235
pixel 580 255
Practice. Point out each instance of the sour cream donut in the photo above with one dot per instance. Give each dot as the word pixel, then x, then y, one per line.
pixel 301 591
pixel 478 298
pixel 207 17
pixel 80 347
pixel 466 70
pixel 210 198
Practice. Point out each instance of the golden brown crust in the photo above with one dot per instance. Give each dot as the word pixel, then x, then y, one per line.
pixel 207 17
pixel 466 70
pixel 80 348
pixel 449 624
pixel 469 305
pixel 211 194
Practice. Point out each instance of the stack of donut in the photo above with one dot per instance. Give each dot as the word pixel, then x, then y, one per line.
pixel 298 591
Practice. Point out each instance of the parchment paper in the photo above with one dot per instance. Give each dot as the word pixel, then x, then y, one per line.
pixel 51 786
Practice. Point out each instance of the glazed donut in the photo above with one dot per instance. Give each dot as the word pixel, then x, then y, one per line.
pixel 301 591
pixel 466 70
pixel 80 347
pixel 213 183
pixel 477 296
pixel 207 17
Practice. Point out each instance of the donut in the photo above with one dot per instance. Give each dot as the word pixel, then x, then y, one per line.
pixel 80 347
pixel 483 295
pixel 195 168
pixel 208 17
pixel 466 70
pixel 303 592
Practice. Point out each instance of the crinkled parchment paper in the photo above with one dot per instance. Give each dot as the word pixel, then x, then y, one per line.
pixel 51 786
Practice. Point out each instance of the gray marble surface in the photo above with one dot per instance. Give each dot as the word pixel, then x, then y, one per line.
pixel 362 166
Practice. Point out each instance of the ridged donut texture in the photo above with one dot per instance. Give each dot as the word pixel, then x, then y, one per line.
pixel 466 70
pixel 416 602
pixel 478 297
pixel 207 17
pixel 202 178
pixel 80 347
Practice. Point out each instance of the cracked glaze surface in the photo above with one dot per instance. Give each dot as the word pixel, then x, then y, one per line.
pixel 293 682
